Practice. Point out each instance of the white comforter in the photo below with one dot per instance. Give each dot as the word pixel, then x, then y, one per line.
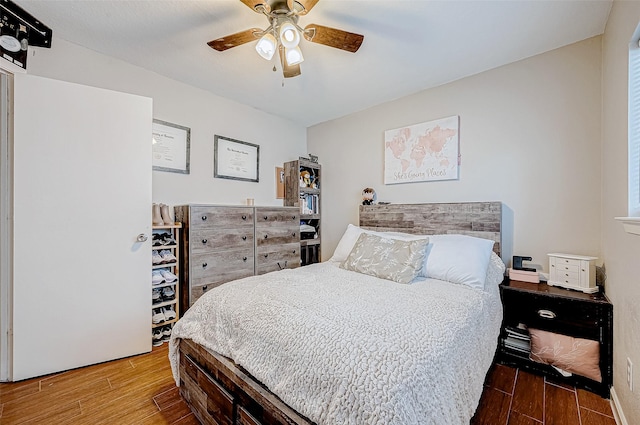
pixel 345 348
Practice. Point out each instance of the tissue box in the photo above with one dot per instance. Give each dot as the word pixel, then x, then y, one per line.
pixel 524 276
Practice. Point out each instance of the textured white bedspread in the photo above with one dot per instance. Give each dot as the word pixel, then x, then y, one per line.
pixel 345 348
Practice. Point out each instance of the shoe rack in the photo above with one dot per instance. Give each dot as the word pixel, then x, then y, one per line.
pixel 165 270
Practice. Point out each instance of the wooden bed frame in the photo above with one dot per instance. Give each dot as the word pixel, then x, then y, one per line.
pixel 221 392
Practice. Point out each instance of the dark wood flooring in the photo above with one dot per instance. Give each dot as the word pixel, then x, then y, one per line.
pixel 140 390
pixel 516 397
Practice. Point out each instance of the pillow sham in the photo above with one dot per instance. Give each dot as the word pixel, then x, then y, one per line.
pixel 352 233
pixel 391 259
pixel 459 259
pixel 575 355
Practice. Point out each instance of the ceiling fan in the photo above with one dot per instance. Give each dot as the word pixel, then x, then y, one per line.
pixel 283 34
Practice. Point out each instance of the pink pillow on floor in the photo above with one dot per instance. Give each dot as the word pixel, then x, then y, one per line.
pixel 575 355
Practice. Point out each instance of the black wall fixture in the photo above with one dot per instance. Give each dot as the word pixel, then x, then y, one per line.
pixel 18 31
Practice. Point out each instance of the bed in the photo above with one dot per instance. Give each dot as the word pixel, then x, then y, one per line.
pixel 351 341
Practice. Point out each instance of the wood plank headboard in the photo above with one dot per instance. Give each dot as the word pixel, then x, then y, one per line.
pixel 479 219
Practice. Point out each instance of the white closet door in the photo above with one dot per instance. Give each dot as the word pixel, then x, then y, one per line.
pixel 82 194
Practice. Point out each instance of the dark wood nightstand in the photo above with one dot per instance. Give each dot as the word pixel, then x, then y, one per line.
pixel 562 311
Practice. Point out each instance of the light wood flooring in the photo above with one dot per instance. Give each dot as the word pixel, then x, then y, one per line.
pixel 140 391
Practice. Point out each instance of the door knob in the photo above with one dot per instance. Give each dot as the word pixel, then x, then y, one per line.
pixel 142 237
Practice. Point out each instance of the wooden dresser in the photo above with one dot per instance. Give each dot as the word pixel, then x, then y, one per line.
pixel 223 243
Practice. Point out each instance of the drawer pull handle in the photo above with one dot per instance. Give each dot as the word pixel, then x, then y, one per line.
pixel 244 258
pixel 293 234
pixel 294 251
pixel 244 217
pixel 265 217
pixel 204 265
pixel 204 218
pixel 266 236
pixel 204 288
pixel 204 241
pixel 266 255
pixel 546 314
pixel 293 217
pixel 281 267
pixel 244 238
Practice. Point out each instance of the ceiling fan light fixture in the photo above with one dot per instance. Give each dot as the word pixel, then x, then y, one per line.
pixel 266 46
pixel 289 35
pixel 293 56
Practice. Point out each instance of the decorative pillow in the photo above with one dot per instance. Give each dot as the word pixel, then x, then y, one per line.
pixel 459 259
pixel 392 259
pixel 575 355
pixel 352 233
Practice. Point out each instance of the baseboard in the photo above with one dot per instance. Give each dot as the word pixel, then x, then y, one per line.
pixel 618 414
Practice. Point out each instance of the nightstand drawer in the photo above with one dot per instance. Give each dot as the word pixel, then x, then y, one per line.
pixel 555 314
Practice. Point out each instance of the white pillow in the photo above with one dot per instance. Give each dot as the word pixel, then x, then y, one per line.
pixel 352 234
pixel 459 259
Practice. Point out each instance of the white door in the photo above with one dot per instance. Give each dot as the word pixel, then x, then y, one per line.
pixel 82 194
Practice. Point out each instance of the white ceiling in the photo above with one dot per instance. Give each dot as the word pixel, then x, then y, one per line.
pixel 408 46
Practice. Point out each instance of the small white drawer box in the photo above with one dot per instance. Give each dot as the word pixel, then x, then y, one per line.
pixel 573 272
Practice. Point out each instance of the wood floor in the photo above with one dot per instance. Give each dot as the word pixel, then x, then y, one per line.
pixel 140 391
pixel 515 397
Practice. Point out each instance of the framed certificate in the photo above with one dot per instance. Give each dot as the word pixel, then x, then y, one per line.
pixel 170 147
pixel 236 160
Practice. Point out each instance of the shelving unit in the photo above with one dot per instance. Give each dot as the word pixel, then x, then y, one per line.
pixel 305 194
pixel 166 302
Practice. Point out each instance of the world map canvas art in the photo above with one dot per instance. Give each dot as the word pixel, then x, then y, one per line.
pixel 422 152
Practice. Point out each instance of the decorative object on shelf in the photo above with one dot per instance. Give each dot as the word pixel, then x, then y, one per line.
pixel 283 34
pixel 236 160
pixel 369 196
pixel 573 272
pixel 171 145
pixel 423 152
pixel 313 158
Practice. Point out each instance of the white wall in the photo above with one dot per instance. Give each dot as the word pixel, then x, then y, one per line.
pixel 206 114
pixel 529 137
pixel 621 250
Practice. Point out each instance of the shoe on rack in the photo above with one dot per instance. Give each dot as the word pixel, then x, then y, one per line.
pixel 164 213
pixel 167 256
pixel 169 313
pixel 157 334
pixel 157 342
pixel 168 276
pixel 156 257
pixel 157 215
pixel 168 293
pixel 157 295
pixel 158 316
pixel 166 334
pixel 158 239
pixel 167 239
pixel 156 277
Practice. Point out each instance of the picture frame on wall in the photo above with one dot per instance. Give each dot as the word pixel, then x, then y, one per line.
pixel 235 159
pixel 429 151
pixel 171 145
pixel 279 183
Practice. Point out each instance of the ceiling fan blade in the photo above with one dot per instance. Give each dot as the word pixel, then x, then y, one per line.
pixel 333 37
pixel 302 7
pixel 223 43
pixel 253 3
pixel 288 70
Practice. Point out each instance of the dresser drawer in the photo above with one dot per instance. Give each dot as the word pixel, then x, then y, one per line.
pixel 274 258
pixel 277 236
pixel 213 267
pixel 277 217
pixel 555 314
pixel 217 240
pixel 216 217
pixel 215 280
